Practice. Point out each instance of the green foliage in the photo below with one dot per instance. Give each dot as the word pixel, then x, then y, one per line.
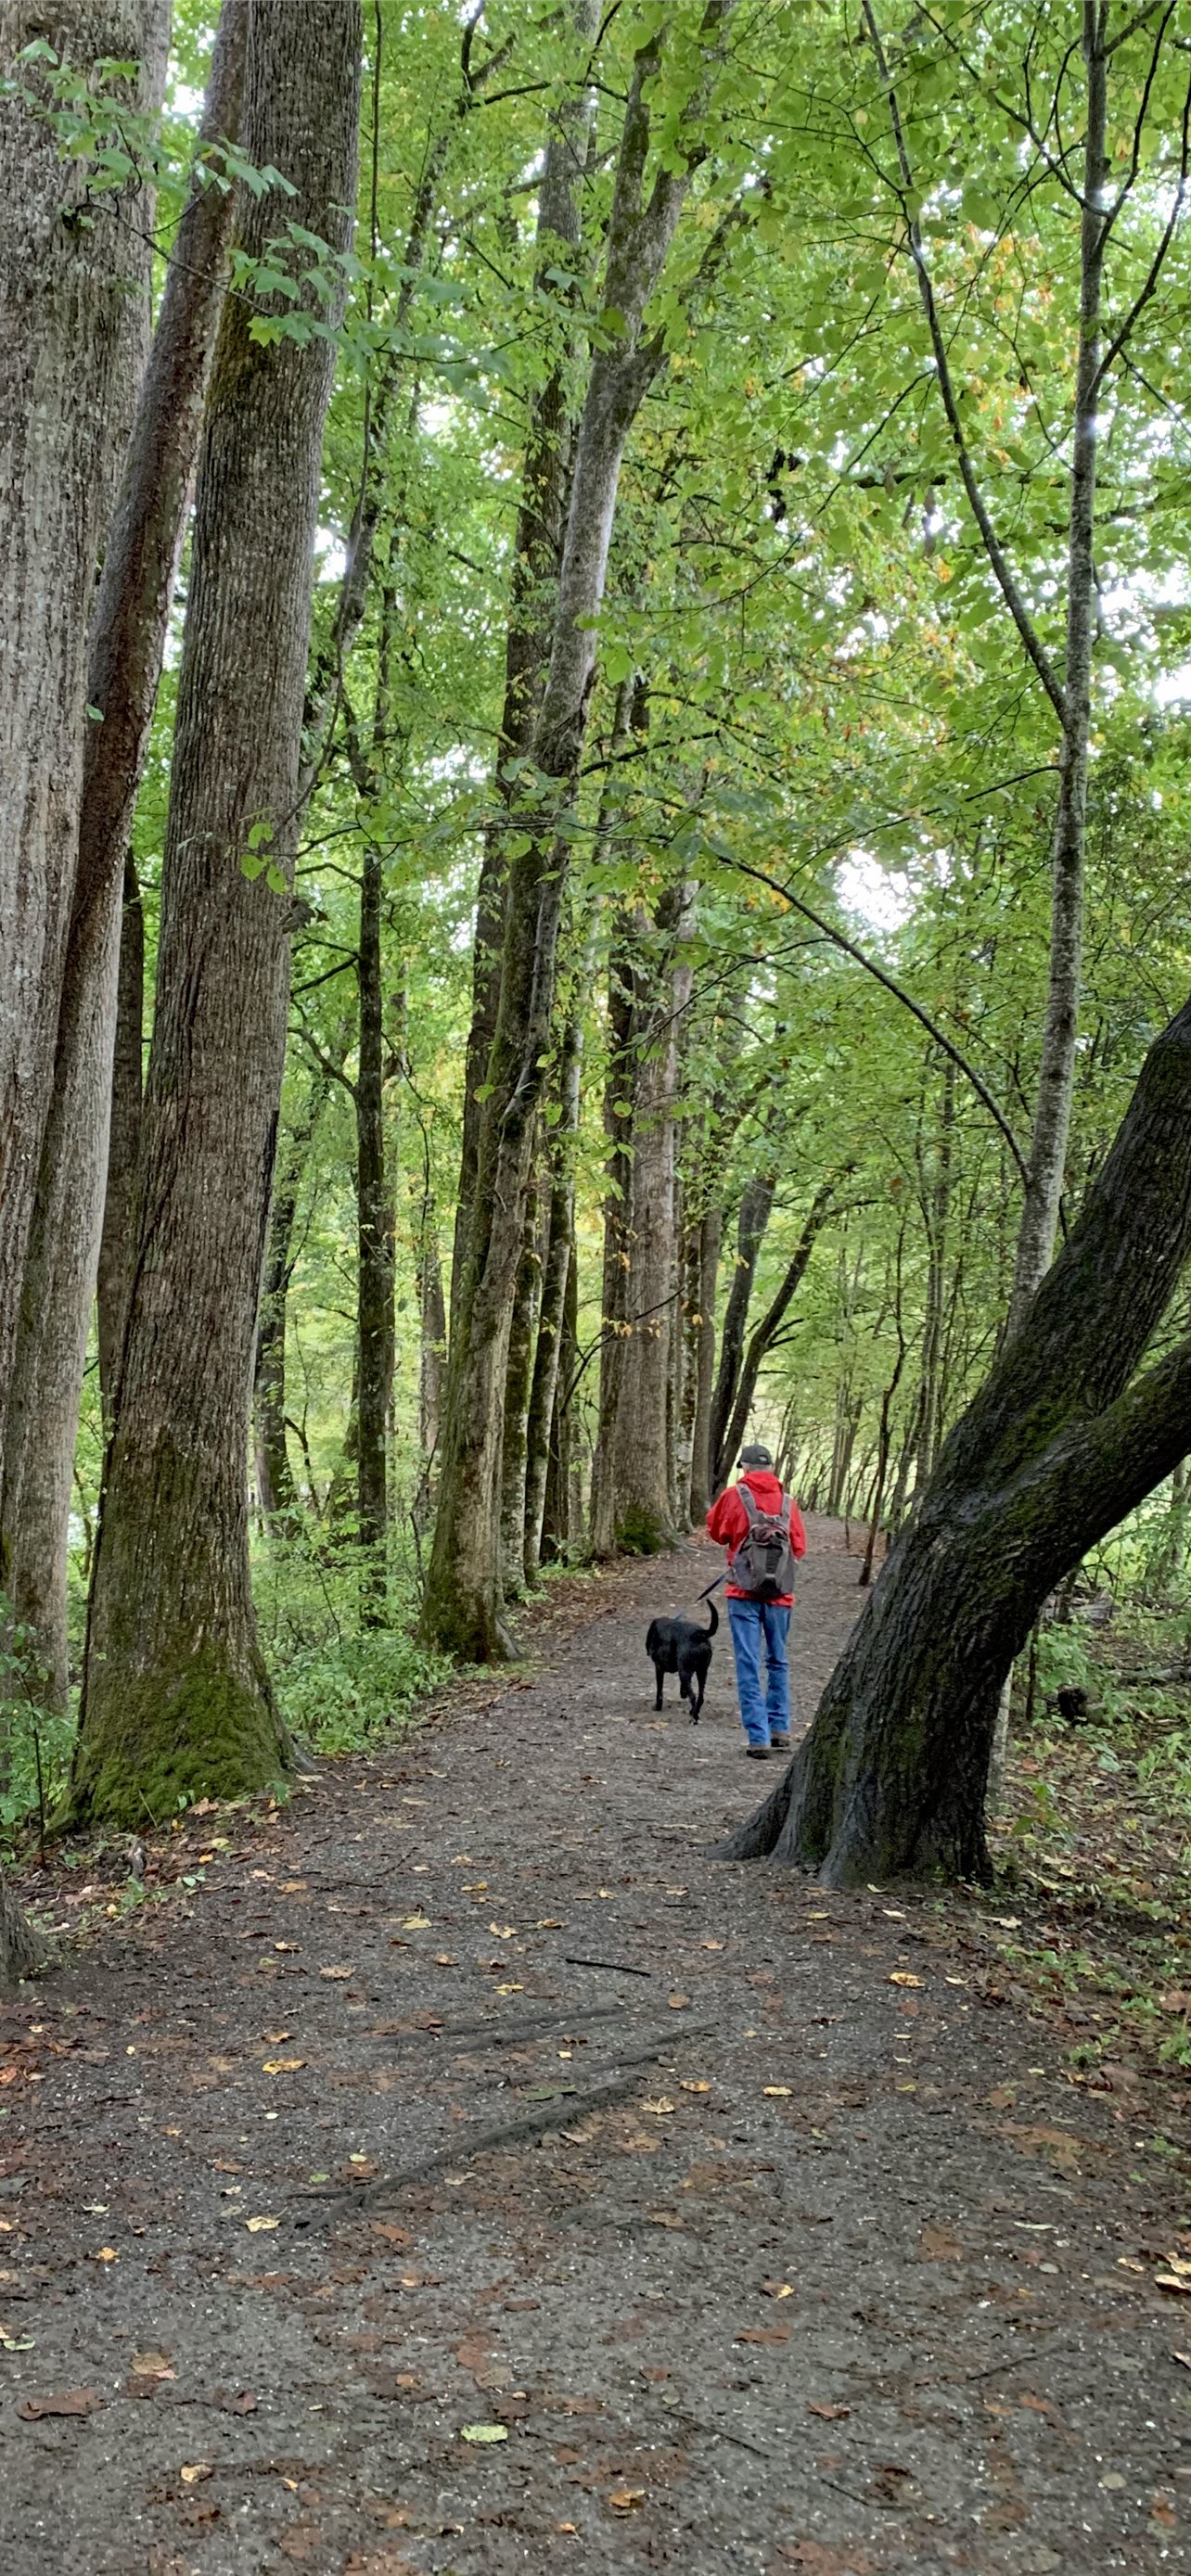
pixel 340 1682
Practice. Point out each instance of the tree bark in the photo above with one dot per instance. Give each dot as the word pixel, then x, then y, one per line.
pixel 72 302
pixel 462 1608
pixel 756 1207
pixel 765 1334
pixel 115 1242
pixel 556 1270
pixel 641 1435
pixel 124 660
pixel 710 1238
pixel 176 1700
pixel 22 1950
pixel 537 556
pixel 374 1235
pixel 562 1516
pixel 518 1378
pixel 1055 1449
pixel 276 1491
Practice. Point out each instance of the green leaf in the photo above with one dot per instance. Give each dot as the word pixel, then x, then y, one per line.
pixel 485 2433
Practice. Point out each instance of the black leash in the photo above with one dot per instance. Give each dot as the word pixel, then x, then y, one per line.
pixel 713 1587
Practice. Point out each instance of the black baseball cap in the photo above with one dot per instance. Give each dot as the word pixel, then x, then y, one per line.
pixel 756 1455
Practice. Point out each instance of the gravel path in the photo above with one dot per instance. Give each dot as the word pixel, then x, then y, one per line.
pixel 823 2264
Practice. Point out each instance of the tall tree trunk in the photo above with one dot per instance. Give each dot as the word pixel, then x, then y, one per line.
pixel 518 1380
pixel 432 1355
pixel 176 1699
pixel 462 1607
pixel 766 1333
pixel 562 1515
pixel 72 311
pixel 374 1245
pixel 936 1210
pixel 756 1207
pixel 642 1431
pixel 556 1269
pixel 127 641
pixel 710 1238
pixel 115 1254
pixel 1055 1449
pixel 21 1948
pixel 275 1488
pixel 537 555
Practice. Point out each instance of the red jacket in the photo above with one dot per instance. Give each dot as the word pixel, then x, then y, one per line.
pixel 728 1520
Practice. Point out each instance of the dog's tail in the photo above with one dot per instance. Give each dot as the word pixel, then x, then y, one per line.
pixel 715 1621
pixel 651 1636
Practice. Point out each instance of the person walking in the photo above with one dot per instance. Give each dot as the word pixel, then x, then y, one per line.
pixel 761 1527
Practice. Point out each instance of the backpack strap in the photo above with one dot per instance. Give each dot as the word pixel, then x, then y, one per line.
pixel 751 1505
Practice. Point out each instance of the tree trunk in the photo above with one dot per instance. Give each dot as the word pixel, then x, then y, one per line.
pixel 115 1242
pixel 1055 1449
pixel 462 1608
pixel 710 1238
pixel 22 1950
pixel 562 1516
pixel 176 1699
pixel 432 1306
pixel 275 1488
pixel 375 1246
pixel 765 1334
pixel 556 1270
pixel 518 1376
pixel 537 556
pixel 72 313
pixel 127 640
pixel 641 1434
pixel 755 1209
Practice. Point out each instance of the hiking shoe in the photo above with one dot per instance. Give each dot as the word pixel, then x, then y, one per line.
pixel 779 1743
pixel 756 1752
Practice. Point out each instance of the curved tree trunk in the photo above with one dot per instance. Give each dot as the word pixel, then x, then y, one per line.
pixel 1055 1449
pixel 176 1700
pixel 765 1334
pixel 69 298
pixel 127 641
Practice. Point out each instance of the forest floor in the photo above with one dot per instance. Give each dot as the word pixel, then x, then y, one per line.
pixel 833 2259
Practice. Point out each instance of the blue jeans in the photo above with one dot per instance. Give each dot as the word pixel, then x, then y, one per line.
pixel 768 1714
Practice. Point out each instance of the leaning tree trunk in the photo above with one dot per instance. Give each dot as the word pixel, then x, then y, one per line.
pixel 70 286
pixel 127 641
pixel 764 1335
pixel 463 1608
pixel 710 1238
pixel 176 1699
pixel 1056 1448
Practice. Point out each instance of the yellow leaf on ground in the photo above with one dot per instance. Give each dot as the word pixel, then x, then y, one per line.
pixel 194 2470
pixel 485 2433
pixel 336 1972
pixel 902 1977
pixel 626 2499
pixel 257 2226
pixel 282 2065
pixel 777 2092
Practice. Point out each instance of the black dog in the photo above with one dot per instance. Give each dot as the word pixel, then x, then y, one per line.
pixel 678 1646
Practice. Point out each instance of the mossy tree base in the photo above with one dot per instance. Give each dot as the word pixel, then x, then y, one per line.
pixel 22 1950
pixel 163 1740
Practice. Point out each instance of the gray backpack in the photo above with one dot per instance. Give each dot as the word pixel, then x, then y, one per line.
pixel 763 1566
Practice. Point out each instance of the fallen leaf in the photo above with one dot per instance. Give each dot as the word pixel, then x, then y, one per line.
pixel 503 1931
pixel 695 2084
pixel 777 2092
pixel 660 2107
pixel 711 1945
pixel 554 1923
pixel 485 2433
pixel 276 2037
pixel 257 2226
pixel 762 2334
pixel 416 1923
pixel 678 2003
pixel 903 1977
pixel 626 2499
pixel 107 2254
pixel 1184 2357
pixel 194 2471
pixel 286 1945
pixel 16 2343
pixel 73 2401
pixel 151 2365
pixel 282 2065
pixel 1173 2281
pixel 778 2289
pixel 336 1972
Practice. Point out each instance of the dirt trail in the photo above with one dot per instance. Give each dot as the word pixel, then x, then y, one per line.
pixel 846 2278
